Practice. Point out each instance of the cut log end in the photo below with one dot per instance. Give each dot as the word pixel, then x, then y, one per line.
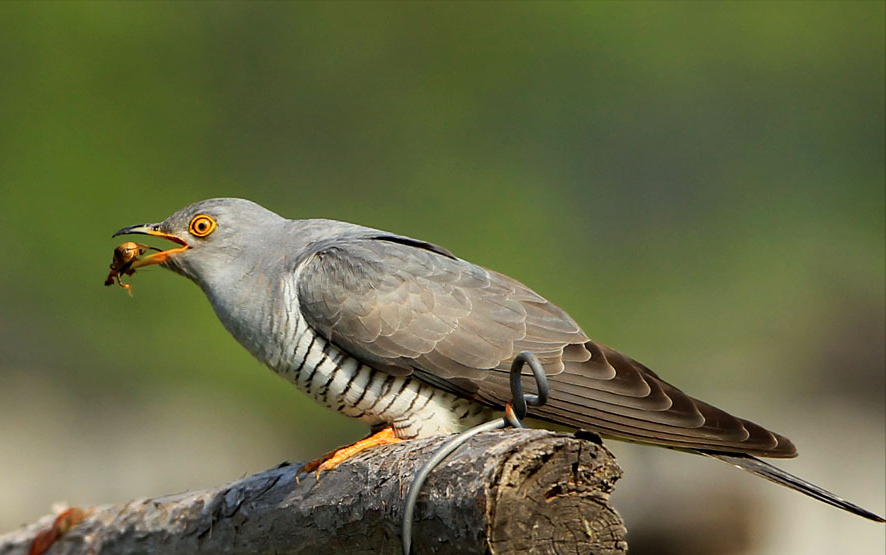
pixel 552 497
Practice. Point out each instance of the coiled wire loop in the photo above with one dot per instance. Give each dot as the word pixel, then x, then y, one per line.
pixel 515 412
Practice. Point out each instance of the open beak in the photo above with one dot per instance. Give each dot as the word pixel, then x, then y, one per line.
pixel 157 257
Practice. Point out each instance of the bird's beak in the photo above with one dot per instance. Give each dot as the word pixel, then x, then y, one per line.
pixel 157 257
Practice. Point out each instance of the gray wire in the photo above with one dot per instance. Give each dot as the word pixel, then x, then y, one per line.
pixel 515 412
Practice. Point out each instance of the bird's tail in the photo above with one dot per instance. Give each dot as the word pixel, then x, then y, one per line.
pixel 779 476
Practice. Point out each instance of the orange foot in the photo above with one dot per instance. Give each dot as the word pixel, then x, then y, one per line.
pixel 334 458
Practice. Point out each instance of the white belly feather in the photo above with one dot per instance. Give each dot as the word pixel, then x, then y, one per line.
pixel 344 384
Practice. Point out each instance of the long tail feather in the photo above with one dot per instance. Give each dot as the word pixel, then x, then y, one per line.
pixel 779 476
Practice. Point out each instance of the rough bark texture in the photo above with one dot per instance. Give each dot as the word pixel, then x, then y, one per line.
pixel 503 492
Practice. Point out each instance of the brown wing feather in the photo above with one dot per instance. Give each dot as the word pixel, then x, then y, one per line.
pixel 665 416
pixel 405 308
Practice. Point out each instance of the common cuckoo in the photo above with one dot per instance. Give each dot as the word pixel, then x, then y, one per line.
pixel 414 341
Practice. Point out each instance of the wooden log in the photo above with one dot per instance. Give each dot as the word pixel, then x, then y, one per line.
pixel 503 492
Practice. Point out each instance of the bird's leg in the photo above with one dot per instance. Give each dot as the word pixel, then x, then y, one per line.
pixel 334 458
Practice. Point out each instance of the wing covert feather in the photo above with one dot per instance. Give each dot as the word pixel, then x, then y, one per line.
pixel 409 307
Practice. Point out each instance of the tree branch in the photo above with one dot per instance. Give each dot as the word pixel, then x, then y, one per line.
pixel 504 492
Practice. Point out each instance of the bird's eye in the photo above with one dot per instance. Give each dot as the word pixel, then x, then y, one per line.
pixel 202 225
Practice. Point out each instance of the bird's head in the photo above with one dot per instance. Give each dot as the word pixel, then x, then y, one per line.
pixel 212 236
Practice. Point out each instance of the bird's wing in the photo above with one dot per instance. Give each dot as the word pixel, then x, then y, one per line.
pixel 403 307
pixel 411 308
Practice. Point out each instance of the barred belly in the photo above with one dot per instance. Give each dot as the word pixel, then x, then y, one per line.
pixel 334 379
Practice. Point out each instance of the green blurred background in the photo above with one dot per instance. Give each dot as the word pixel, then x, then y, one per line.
pixel 700 184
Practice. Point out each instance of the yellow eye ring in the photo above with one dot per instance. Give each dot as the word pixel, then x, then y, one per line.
pixel 202 225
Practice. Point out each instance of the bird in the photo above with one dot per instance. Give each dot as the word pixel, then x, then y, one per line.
pixel 406 337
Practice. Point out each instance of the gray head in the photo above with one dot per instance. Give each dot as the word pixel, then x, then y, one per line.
pixel 218 237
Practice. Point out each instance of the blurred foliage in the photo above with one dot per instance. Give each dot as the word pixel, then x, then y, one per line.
pixel 699 184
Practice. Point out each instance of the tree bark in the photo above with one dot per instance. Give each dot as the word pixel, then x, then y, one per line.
pixel 503 492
